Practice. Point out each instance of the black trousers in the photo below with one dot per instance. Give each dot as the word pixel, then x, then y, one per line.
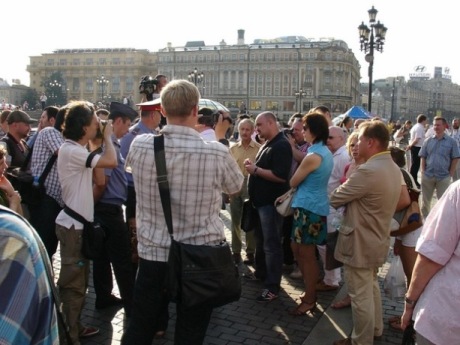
pixel 117 253
pixel 43 219
pixel 414 151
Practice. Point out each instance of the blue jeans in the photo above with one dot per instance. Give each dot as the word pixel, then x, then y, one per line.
pixel 269 252
pixel 150 310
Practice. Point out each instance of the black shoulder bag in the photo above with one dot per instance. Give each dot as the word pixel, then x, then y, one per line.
pixel 198 275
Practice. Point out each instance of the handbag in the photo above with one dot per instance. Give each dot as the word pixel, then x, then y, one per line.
pixel 93 236
pixel 249 217
pixel 331 242
pixel 283 205
pixel 198 275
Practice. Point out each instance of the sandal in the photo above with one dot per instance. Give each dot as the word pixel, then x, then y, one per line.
pixel 344 303
pixel 396 325
pixel 303 308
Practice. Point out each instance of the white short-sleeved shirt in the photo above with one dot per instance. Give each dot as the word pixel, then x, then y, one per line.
pixel 418 131
pixel 437 311
pixel 76 182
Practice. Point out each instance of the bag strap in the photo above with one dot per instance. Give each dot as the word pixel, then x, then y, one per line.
pixel 91 156
pixel 75 215
pixel 47 170
pixel 162 179
pixel 49 275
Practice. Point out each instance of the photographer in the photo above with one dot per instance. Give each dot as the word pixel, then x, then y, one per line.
pixel 213 125
pixel 151 87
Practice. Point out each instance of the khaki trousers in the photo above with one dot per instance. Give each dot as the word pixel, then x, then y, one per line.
pixel 366 304
pixel 73 278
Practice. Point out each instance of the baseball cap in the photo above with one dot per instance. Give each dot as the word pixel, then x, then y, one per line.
pixel 151 105
pixel 19 116
pixel 117 108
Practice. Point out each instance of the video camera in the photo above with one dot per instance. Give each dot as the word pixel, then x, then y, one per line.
pixel 147 86
pixel 210 117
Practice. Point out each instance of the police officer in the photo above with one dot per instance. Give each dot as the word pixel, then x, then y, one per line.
pixel 148 123
pixel 110 194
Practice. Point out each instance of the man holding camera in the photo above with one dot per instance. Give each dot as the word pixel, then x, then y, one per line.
pixel 80 128
pixel 211 125
pixel 110 195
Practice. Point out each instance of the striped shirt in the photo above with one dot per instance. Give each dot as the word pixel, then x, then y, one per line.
pixel 27 311
pixel 198 173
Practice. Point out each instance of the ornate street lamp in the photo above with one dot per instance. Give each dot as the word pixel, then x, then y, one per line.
pixel 55 87
pixel 299 95
pixel 102 81
pixel 196 77
pixel 376 41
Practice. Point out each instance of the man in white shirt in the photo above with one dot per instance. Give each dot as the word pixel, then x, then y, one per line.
pixel 336 143
pixel 417 137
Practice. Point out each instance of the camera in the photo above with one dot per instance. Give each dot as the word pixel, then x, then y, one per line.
pixel 101 129
pixel 287 132
pixel 210 117
pixel 148 86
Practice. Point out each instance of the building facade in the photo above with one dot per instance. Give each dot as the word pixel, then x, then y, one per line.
pixel 81 69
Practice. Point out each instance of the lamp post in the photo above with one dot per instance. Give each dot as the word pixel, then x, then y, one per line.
pixel 196 77
pixel 298 95
pixel 102 81
pixel 376 41
pixel 55 87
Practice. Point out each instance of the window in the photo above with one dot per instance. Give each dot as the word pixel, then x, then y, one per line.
pixel 89 87
pixel 75 84
pixel 102 61
pixel 76 62
pixel 50 62
pixel 63 62
pixel 89 61
pixel 129 84
pixel 116 61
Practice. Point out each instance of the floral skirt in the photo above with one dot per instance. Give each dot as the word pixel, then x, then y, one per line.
pixel 308 227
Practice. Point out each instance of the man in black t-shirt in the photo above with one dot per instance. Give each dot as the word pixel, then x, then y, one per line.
pixel 269 179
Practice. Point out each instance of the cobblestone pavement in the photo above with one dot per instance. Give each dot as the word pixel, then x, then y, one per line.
pixel 245 321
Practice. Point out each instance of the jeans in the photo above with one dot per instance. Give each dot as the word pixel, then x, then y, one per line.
pixel 117 252
pixel 269 251
pixel 43 219
pixel 150 310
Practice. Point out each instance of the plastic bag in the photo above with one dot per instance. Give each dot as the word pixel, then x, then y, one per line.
pixel 394 284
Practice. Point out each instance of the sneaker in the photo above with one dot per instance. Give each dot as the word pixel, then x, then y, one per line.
pixel 322 286
pixel 267 296
pixel 249 259
pixel 296 274
pixel 88 332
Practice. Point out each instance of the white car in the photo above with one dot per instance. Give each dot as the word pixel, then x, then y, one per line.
pixel 207 103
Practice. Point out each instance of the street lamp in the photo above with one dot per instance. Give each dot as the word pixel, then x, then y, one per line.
pixel 376 41
pixel 103 82
pixel 196 77
pixel 298 95
pixel 55 87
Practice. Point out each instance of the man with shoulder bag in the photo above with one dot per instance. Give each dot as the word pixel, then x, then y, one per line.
pixel 197 174
pixel 75 169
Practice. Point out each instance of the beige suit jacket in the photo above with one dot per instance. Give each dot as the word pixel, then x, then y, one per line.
pixel 370 196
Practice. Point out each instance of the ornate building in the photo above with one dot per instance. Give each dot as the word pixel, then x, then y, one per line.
pixel 284 75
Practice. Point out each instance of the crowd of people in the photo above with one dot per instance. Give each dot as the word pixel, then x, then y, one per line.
pixel 100 164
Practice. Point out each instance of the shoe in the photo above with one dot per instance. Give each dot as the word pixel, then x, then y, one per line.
pixel 346 341
pixel 344 303
pixel 112 301
pixel 303 308
pixel 322 286
pixel 237 258
pixel 88 332
pixel 267 296
pixel 296 274
pixel 249 260
pixel 160 334
pixel 250 277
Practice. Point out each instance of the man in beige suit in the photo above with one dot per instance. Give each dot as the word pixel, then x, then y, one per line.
pixel 370 196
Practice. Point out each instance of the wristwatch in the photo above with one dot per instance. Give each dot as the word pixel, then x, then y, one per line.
pixel 409 301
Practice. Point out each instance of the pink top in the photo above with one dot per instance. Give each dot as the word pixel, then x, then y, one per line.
pixel 437 312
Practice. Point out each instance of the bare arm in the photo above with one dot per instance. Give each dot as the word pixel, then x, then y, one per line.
pixel 100 182
pixel 424 270
pixel 453 166
pixel 404 199
pixel 309 164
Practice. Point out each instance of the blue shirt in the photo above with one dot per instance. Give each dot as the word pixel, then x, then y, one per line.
pixel 116 190
pixel 311 193
pixel 438 154
pixel 27 311
pixel 125 142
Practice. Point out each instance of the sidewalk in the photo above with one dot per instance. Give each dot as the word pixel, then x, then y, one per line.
pixel 250 322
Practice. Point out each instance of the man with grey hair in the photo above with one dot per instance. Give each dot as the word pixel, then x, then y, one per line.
pixel 336 144
pixel 245 148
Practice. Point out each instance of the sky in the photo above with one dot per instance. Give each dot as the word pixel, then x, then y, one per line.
pixel 418 34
